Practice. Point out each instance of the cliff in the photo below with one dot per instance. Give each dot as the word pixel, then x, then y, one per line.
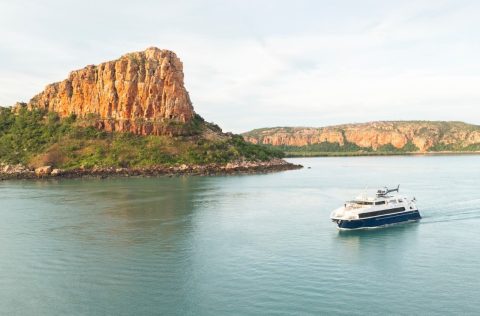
pixel 411 136
pixel 141 92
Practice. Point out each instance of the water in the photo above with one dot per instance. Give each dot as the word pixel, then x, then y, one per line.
pixel 242 245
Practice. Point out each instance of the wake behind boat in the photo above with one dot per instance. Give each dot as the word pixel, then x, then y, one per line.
pixel 383 209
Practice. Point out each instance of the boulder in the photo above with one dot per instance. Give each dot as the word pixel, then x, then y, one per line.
pixel 56 172
pixel 43 171
pixel 7 169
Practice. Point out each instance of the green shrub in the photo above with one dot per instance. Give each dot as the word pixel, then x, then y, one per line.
pixel 389 148
pixel 410 147
pixel 442 147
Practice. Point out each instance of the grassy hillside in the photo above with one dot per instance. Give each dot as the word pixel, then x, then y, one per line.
pixel 38 138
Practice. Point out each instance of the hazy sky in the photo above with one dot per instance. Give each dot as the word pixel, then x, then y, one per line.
pixel 252 64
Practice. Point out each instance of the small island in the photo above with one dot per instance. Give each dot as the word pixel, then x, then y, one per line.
pixel 130 116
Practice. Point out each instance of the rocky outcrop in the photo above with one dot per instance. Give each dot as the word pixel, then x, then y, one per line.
pixel 13 169
pixel 43 171
pixel 141 92
pixel 424 135
pixel 299 137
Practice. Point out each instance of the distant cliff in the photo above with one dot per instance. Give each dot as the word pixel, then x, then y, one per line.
pixel 387 136
pixel 141 92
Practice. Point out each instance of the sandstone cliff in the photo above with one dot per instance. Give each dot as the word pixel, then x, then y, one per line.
pixel 424 135
pixel 141 92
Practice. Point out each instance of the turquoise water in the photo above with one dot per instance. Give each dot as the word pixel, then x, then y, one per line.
pixel 242 245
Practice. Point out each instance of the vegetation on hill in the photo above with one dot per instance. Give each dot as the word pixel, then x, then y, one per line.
pixel 39 138
pixel 334 149
pixel 348 149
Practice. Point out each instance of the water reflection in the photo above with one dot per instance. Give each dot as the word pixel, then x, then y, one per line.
pixel 126 235
pixel 141 210
pixel 118 212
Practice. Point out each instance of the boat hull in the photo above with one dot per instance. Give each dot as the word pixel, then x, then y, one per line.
pixel 378 221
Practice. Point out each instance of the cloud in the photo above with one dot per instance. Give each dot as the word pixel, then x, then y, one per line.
pixel 249 64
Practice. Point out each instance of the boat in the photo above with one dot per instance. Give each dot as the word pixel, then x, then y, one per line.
pixel 385 208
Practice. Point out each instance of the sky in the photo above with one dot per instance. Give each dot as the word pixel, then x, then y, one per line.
pixel 264 63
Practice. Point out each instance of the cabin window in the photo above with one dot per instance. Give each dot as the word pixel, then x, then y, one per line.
pixel 379 202
pixel 363 203
pixel 382 212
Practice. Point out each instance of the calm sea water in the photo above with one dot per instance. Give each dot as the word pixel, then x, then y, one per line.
pixel 242 245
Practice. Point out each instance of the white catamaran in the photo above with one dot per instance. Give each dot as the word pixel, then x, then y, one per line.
pixel 382 209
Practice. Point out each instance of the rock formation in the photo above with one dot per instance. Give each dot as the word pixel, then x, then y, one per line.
pixel 423 134
pixel 141 92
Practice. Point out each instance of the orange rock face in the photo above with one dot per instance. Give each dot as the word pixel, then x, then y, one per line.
pixel 423 134
pixel 140 92
pixel 298 137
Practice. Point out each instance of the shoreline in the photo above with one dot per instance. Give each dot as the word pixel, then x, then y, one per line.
pixel 376 154
pixel 19 172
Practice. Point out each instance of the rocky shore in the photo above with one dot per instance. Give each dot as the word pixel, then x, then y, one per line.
pixel 9 172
